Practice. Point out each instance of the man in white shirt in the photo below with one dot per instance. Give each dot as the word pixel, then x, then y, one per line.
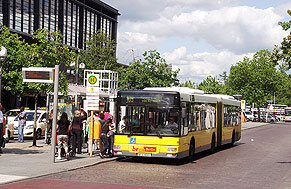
pixel 1 128
pixel 172 124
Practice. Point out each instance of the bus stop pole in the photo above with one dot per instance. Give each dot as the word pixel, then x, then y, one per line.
pixel 56 91
pixel 92 134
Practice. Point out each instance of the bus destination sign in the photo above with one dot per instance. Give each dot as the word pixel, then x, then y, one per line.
pixel 132 98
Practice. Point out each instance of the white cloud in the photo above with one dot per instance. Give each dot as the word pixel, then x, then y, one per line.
pixel 142 10
pixel 231 31
pixel 197 66
pixel 239 29
pixel 132 45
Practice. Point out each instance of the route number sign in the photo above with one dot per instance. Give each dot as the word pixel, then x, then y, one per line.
pixel 92 94
pixel 92 80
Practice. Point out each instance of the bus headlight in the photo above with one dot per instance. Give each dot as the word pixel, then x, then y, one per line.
pixel 117 147
pixel 172 149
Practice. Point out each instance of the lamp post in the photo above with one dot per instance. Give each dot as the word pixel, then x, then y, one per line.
pixel 3 56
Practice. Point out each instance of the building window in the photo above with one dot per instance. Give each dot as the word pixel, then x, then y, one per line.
pixel 1 12
pixel 18 15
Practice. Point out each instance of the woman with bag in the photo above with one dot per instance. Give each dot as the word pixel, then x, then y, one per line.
pixel 104 138
pixel 63 127
pixel 77 132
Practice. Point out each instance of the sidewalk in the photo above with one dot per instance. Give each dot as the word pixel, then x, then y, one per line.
pixel 250 125
pixel 21 161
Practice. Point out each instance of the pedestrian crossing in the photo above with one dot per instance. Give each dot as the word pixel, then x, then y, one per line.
pixel 10 178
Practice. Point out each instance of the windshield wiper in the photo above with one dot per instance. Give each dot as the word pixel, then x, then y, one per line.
pixel 159 134
pixel 130 134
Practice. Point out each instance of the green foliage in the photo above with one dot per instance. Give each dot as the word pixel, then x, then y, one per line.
pixel 46 53
pixel 284 95
pixel 17 58
pixel 283 53
pixel 151 72
pixel 257 78
pixel 100 52
pixel 211 85
pixel 189 84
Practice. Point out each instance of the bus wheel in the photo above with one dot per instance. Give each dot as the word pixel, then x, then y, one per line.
pixel 192 150
pixel 212 150
pixel 233 139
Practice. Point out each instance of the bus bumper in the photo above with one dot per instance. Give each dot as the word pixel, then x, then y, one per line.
pixel 159 155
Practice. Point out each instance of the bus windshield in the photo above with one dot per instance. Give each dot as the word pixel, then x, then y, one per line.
pixel 287 112
pixel 147 120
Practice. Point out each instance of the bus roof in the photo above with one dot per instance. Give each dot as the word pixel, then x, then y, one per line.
pixel 181 90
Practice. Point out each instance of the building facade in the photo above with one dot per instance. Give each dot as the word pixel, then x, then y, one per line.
pixel 77 20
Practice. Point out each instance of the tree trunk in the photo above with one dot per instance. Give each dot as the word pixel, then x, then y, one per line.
pixel 35 120
pixel 259 115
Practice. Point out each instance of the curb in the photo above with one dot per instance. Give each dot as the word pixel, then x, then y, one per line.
pixel 61 171
pixel 265 124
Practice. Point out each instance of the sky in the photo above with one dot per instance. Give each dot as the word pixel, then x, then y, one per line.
pixel 200 37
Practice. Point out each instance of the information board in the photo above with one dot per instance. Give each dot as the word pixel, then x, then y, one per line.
pixel 38 75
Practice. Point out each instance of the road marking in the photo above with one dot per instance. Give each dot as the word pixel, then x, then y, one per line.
pixel 10 178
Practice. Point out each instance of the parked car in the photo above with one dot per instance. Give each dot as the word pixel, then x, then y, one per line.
pixel 270 119
pixel 12 115
pixel 249 116
pixel 28 129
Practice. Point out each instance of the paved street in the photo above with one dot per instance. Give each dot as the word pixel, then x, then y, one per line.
pixel 261 159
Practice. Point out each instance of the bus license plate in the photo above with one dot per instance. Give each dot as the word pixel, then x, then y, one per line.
pixel 144 155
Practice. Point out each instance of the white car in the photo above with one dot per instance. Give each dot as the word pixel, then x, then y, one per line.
pixel 28 129
pixel 12 115
pixel 249 116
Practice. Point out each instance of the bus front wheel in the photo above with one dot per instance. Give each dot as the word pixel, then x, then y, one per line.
pixel 192 149
pixel 212 150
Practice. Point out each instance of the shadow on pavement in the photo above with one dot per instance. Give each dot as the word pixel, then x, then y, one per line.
pixel 177 162
pixel 284 162
pixel 21 151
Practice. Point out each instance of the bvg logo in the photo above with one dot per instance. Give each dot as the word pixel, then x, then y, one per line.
pixel 144 149
pixel 92 80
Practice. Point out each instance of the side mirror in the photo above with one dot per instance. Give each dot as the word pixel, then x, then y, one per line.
pixel 43 120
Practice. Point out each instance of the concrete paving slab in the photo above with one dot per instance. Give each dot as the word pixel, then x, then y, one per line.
pixel 21 161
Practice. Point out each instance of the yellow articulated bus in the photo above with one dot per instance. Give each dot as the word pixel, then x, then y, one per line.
pixel 287 116
pixel 174 122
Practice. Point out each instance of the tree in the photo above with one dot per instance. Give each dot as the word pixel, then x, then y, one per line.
pixel 48 51
pixel 100 52
pixel 212 86
pixel 153 71
pixel 283 53
pixel 257 78
pixel 17 51
pixel 189 84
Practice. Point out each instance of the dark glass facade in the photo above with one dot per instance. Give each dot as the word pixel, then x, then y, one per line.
pixel 76 19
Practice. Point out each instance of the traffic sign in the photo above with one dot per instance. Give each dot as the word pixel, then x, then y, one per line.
pixel 92 92
pixel 93 80
pixel 243 104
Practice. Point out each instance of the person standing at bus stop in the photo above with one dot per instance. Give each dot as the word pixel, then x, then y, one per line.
pixel 77 128
pixel 21 124
pixel 1 128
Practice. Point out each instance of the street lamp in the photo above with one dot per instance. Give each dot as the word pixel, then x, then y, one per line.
pixel 3 56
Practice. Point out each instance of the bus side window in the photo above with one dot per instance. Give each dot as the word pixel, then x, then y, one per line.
pixel 192 118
